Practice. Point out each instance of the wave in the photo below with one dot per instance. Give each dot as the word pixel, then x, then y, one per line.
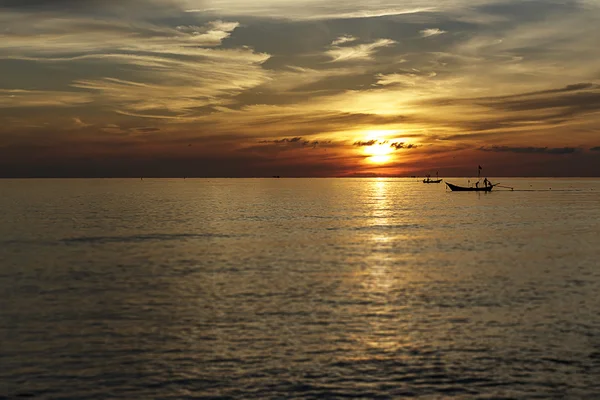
pixel 160 237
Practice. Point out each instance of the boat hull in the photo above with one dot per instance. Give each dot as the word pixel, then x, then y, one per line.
pixel 455 188
pixel 432 181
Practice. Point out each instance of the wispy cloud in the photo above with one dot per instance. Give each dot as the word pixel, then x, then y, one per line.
pixel 297 142
pixel 403 145
pixel 42 98
pixel 406 79
pixel 181 69
pixel 210 35
pixel 358 52
pixel 84 35
pixel 343 39
pixel 367 143
pixel 308 9
pixel 431 32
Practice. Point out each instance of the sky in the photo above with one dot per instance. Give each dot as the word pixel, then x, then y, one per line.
pixel 238 88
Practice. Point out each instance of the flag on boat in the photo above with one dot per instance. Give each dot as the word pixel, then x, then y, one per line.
pixel 480 167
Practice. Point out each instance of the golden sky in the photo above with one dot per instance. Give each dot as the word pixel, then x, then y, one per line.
pixel 299 88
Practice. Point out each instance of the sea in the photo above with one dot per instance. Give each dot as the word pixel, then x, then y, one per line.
pixel 366 288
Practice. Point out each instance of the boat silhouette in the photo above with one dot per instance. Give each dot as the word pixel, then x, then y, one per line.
pixel 456 188
pixel 429 180
pixel 487 185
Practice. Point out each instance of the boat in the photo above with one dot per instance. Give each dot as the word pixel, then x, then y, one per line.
pixel 486 187
pixel 456 188
pixel 429 180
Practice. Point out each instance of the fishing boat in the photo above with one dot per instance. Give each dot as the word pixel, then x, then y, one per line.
pixel 486 187
pixel 456 188
pixel 429 180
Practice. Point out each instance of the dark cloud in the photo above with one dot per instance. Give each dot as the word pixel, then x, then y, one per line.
pixel 284 140
pixel 549 107
pixel 530 11
pixel 295 142
pixel 95 6
pixel 402 145
pixel 56 5
pixel 580 95
pixel 565 106
pixel 395 145
pixel 164 156
pixel 569 88
pixel 146 129
pixel 531 150
pixel 52 4
pixel 367 143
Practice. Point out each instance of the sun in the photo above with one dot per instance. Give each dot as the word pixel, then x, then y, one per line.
pixel 377 146
pixel 379 153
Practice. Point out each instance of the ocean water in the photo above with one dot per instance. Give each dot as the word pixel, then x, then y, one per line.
pixel 298 288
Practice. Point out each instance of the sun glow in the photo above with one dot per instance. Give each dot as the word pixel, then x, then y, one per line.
pixel 381 146
pixel 379 159
pixel 379 153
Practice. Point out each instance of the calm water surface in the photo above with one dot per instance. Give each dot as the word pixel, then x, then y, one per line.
pixel 298 288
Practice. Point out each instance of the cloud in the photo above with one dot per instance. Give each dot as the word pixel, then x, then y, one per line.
pixel 431 32
pixel 147 129
pixel 109 7
pixel 85 36
pixel 181 90
pixel 41 98
pixel 403 145
pixel 531 150
pixel 527 111
pixel 309 9
pixel 210 35
pixel 406 79
pixel 358 52
pixel 176 71
pixel 368 143
pixel 394 145
pixel 297 142
pixel 79 123
pixel 343 39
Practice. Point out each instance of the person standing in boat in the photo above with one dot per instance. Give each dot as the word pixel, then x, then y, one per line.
pixel 486 182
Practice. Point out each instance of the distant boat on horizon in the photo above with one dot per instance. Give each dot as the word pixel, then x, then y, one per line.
pixel 429 180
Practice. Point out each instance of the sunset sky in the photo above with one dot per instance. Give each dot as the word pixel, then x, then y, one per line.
pixel 299 88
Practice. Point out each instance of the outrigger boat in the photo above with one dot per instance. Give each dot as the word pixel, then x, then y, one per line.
pixel 429 180
pixel 487 185
pixel 456 188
